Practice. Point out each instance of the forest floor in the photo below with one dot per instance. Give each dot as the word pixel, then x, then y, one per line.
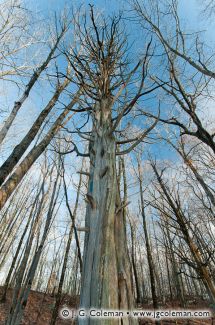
pixel 39 309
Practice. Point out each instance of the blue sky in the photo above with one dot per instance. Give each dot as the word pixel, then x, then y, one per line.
pixel 191 18
pixel 57 5
pixel 190 11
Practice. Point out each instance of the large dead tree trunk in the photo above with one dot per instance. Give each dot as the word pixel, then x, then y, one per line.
pixel 106 278
pixel 100 70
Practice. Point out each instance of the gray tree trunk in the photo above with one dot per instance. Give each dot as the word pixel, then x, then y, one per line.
pixel 148 247
pixel 20 171
pixel 20 149
pixel 17 105
pixel 20 302
pixel 106 279
pixel 201 267
pixel 66 255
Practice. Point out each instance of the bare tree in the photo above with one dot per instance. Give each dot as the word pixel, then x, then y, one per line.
pixel 185 85
pixel 15 39
pixel 20 171
pixel 33 79
pixel 20 149
pixel 73 228
pixel 21 292
pixel 148 248
pixel 208 8
pixel 102 71
pixel 201 265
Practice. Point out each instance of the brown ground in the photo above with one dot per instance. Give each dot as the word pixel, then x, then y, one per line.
pixel 39 308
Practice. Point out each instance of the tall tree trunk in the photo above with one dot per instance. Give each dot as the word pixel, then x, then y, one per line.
pixel 168 276
pixel 138 294
pixel 63 271
pixel 106 278
pixel 20 149
pixel 201 267
pixel 125 202
pixel 148 248
pixel 18 306
pixel 142 277
pixel 20 171
pixel 18 104
pixel 175 272
pixel 60 287
pixel 7 281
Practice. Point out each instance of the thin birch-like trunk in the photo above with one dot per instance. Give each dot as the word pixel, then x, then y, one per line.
pixel 19 304
pixel 202 269
pixel 63 271
pixel 20 149
pixel 7 281
pixel 18 104
pixel 20 171
pixel 148 248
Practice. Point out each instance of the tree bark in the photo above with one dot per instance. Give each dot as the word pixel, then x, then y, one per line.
pixel 20 149
pixel 201 267
pixel 17 105
pixel 20 171
pixel 148 248
pixel 106 280
pixel 7 281
pixel 63 271
pixel 138 293
pixel 20 302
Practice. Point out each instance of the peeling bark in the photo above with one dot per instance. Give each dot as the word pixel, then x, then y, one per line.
pixel 106 281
